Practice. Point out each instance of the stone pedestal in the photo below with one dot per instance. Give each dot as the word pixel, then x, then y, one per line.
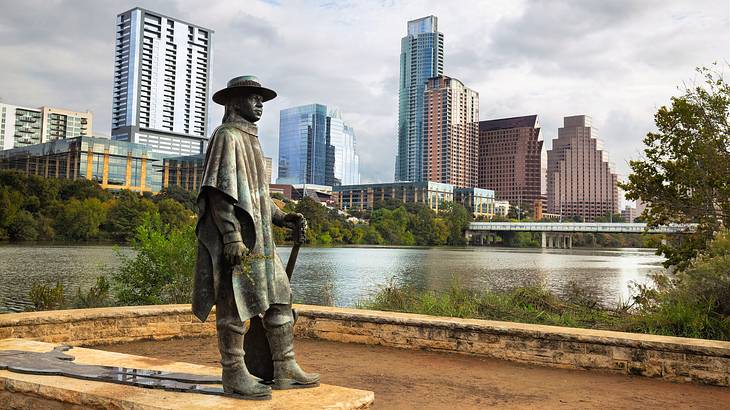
pixel 27 391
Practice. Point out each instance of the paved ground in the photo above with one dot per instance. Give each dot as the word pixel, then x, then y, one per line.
pixel 403 379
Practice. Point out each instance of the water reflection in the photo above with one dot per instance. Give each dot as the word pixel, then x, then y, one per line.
pixel 343 276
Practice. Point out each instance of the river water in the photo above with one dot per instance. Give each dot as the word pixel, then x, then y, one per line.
pixel 344 276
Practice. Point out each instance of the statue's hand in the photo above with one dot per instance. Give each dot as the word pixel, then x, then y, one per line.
pixel 298 224
pixel 233 252
pixel 295 220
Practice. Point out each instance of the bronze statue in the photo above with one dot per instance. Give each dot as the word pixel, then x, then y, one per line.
pixel 238 269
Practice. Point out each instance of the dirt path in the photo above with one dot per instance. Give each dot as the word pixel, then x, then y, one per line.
pixel 403 379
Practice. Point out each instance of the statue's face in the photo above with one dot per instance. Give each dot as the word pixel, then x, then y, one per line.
pixel 250 107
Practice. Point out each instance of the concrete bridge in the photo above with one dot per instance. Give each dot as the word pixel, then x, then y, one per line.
pixel 558 234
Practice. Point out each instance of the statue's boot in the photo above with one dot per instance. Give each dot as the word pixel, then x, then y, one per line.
pixel 287 373
pixel 236 378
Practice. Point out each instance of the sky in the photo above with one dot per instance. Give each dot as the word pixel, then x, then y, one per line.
pixel 617 61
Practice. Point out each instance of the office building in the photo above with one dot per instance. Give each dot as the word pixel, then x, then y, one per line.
pixel 450 132
pixel 345 161
pixel 268 163
pixel 581 182
pixel 113 164
pixel 433 194
pixel 478 201
pixel 184 172
pixel 511 160
pixel 24 126
pixel 421 58
pixel 316 146
pixel 161 82
pixel 360 197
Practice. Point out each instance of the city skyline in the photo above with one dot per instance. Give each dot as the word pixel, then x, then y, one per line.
pixel 520 56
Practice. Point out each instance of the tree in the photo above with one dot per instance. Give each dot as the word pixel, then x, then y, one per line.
pixel 457 219
pixel 80 220
pixel 127 212
pixel 684 176
pixel 174 214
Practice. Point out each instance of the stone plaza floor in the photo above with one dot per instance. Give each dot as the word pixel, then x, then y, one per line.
pixel 406 379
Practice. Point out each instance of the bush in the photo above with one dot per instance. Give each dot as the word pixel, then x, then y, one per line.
pixel 98 295
pixel 162 270
pixel 695 303
pixel 47 297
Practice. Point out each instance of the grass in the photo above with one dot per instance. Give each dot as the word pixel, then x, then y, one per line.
pixel 530 304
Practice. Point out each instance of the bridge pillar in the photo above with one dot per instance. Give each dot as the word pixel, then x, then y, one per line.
pixel 570 241
pixel 543 240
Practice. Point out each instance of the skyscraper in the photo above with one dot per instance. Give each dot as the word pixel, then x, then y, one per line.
pixel 450 132
pixel 421 58
pixel 345 161
pixel 581 181
pixel 23 126
pixel 161 82
pixel 510 159
pixel 316 147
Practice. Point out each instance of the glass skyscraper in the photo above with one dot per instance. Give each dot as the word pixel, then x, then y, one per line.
pixel 161 82
pixel 421 57
pixel 341 137
pixel 316 147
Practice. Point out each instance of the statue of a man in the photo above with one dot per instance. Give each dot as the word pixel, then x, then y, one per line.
pixel 238 269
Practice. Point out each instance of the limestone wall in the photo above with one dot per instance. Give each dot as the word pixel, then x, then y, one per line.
pixel 87 327
pixel 671 358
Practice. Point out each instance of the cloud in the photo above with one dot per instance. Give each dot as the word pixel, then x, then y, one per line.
pixel 615 60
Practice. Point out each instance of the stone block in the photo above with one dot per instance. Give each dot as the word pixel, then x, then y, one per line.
pixel 26 391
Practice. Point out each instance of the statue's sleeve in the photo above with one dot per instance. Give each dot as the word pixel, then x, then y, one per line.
pixel 224 216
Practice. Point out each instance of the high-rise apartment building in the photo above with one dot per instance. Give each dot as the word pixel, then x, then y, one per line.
pixel 581 182
pixel 316 147
pixel 511 160
pixel 450 132
pixel 23 126
pixel 161 82
pixel 421 58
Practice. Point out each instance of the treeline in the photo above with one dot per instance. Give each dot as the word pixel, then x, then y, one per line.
pixel 36 208
pixel 389 223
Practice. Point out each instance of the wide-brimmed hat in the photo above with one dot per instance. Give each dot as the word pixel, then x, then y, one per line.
pixel 244 84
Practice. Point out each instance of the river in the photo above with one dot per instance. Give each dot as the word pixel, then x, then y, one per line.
pixel 344 276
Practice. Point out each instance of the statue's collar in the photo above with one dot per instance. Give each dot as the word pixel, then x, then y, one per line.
pixel 243 125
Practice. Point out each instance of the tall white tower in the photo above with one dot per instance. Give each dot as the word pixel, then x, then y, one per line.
pixel 161 82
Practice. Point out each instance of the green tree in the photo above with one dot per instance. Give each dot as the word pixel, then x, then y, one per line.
pixel 80 220
pixel 392 225
pixel 22 227
pixel 457 219
pixel 174 214
pixel 684 176
pixel 187 198
pixel 127 212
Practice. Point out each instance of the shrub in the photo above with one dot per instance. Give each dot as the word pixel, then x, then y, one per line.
pixel 695 303
pixel 98 295
pixel 162 270
pixel 47 297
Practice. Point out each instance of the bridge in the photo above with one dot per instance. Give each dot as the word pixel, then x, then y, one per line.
pixel 558 234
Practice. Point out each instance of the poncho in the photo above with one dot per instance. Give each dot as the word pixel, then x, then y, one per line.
pixel 234 165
